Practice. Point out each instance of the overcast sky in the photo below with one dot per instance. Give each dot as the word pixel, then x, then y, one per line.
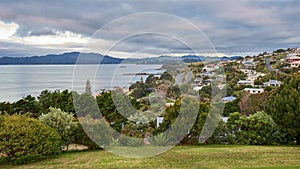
pixel 231 27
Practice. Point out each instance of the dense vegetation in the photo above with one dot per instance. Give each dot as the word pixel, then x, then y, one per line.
pixel 24 140
pixel 284 106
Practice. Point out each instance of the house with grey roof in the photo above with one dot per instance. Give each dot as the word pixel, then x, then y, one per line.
pixel 228 99
pixel 273 83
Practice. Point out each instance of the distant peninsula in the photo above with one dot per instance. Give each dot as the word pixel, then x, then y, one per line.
pixel 94 58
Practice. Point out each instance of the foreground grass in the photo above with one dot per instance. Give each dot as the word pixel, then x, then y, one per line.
pixel 212 156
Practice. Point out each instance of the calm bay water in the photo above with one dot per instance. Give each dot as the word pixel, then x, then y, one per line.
pixel 18 81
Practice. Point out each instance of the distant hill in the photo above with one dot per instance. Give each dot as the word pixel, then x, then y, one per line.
pixel 94 58
pixel 66 58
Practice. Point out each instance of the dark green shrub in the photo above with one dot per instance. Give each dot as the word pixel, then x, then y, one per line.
pixel 24 140
pixel 98 130
pixel 82 138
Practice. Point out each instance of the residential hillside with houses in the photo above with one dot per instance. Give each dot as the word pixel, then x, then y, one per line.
pixel 244 83
pixel 256 75
pixel 244 80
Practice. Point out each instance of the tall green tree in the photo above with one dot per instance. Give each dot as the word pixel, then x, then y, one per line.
pixel 88 87
pixel 56 98
pixel 28 104
pixel 284 106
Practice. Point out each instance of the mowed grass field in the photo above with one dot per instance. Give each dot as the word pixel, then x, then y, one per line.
pixel 186 157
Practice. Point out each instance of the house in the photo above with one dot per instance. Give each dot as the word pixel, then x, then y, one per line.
pixel 295 64
pixel 169 104
pixel 249 64
pixel 254 90
pixel 248 71
pixel 225 119
pixel 292 58
pixel 273 83
pixel 245 82
pixel 296 50
pixel 207 81
pixel 197 88
pixel 210 67
pixel 197 81
pixel 159 120
pixel 207 74
pixel 228 99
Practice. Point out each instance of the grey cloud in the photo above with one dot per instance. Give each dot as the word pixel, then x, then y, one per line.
pixel 232 26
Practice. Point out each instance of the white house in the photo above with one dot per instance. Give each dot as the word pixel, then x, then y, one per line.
pixel 254 90
pixel 159 120
pixel 245 82
pixel 197 88
pixel 273 83
pixel 225 119
pixel 210 67
pixel 248 71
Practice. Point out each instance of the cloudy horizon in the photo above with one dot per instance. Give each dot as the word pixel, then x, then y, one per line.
pixel 245 27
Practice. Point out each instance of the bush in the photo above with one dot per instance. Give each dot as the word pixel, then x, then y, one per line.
pixel 135 142
pixel 24 140
pixel 130 141
pixel 62 122
pixel 160 140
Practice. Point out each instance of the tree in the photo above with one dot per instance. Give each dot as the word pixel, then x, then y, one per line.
pixel 231 107
pixel 62 122
pixel 258 129
pixel 258 102
pixel 244 103
pixel 166 76
pixel 82 138
pixel 6 107
pixel 97 129
pixel 284 107
pixel 151 80
pixel 88 87
pixel 27 104
pixel 58 99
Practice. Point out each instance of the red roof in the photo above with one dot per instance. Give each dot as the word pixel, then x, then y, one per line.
pixel 296 62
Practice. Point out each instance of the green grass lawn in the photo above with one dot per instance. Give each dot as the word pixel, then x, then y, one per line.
pixel 206 156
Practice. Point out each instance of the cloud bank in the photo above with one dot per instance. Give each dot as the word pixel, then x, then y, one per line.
pixel 234 27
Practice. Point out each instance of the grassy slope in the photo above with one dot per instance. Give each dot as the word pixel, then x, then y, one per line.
pixel 213 156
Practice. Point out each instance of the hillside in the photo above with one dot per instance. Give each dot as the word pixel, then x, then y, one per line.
pixel 94 58
pixel 66 58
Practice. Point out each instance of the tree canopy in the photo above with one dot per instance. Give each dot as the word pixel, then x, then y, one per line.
pixel 284 106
